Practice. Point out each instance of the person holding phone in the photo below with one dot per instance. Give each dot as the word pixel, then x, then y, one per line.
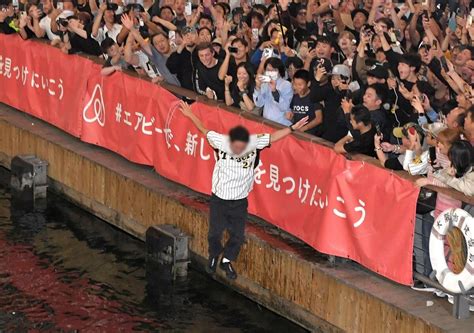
pixel 412 137
pixel 273 93
pixel 236 53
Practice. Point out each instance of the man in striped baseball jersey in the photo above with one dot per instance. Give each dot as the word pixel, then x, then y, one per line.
pixel 232 180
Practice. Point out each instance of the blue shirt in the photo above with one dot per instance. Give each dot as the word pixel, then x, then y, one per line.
pixel 275 104
pixel 431 114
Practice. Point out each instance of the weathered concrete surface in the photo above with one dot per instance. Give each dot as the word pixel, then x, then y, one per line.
pixel 276 271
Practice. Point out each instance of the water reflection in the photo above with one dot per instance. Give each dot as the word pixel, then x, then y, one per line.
pixel 64 270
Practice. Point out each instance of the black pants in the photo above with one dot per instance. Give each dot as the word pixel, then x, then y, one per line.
pixel 230 215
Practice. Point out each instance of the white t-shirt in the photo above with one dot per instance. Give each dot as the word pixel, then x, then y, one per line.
pixel 45 24
pixel 233 175
pixel 103 32
pixel 145 63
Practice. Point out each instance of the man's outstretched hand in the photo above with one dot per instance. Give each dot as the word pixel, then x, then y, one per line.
pixel 300 124
pixel 185 109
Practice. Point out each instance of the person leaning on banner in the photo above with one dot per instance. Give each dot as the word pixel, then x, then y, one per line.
pixel 239 94
pixel 30 22
pixel 115 58
pixel 157 51
pixel 363 142
pixel 273 92
pixel 232 181
pixel 8 21
pixel 460 175
pixel 45 22
pixel 206 79
pixel 411 155
pixel 182 62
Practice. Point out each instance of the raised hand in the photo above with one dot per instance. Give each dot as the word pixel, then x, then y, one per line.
pixel 300 124
pixel 185 109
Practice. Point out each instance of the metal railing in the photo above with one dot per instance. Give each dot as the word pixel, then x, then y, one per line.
pixel 456 255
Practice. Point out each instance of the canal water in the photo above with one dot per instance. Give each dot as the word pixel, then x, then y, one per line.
pixel 63 270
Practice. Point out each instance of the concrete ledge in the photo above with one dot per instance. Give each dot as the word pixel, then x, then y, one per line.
pixel 276 271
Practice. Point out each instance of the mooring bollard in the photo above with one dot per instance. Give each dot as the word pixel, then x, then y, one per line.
pixel 29 178
pixel 167 248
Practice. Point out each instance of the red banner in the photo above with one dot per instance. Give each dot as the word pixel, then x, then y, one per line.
pixel 340 207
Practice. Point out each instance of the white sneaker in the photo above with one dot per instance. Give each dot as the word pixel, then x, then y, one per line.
pixel 440 293
pixel 423 288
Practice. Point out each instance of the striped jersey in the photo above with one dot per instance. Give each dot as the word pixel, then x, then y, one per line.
pixel 233 175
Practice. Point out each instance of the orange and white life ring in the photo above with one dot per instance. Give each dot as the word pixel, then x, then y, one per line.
pixel 446 220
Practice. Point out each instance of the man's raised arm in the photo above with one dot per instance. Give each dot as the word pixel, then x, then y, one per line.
pixel 280 134
pixel 187 112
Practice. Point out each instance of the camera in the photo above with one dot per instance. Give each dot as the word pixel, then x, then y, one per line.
pixel 329 26
pixel 233 49
pixel 63 22
pixel 112 6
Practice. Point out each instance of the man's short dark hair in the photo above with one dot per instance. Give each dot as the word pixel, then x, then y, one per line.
pixel 206 17
pixel 106 44
pixel 239 133
pixel 203 46
pixel 380 90
pixel 277 64
pixel 388 22
pixel 241 41
pixel 295 61
pixel 302 74
pixel 258 16
pixel 361 114
pixel 412 60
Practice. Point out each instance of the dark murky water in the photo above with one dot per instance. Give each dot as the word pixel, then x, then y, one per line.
pixel 64 270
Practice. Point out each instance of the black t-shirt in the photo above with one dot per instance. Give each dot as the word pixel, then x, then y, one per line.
pixel 362 144
pixel 236 95
pixel 29 33
pixel 5 27
pixel 393 164
pixel 209 78
pixel 334 122
pixel 182 65
pixel 302 107
pixel 88 46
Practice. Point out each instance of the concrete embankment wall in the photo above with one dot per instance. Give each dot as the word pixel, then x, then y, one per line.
pixel 275 271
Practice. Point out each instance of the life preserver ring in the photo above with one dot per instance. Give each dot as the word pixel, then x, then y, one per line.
pixel 446 220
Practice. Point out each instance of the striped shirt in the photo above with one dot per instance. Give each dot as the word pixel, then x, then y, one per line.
pixel 233 175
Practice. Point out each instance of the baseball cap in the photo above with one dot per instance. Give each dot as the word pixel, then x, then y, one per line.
pixel 341 70
pixel 400 132
pixel 217 41
pixel 378 70
pixel 434 129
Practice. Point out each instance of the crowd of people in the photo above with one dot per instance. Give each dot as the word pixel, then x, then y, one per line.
pixel 389 79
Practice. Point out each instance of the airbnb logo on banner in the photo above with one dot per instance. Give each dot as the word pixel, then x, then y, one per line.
pixel 96 103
